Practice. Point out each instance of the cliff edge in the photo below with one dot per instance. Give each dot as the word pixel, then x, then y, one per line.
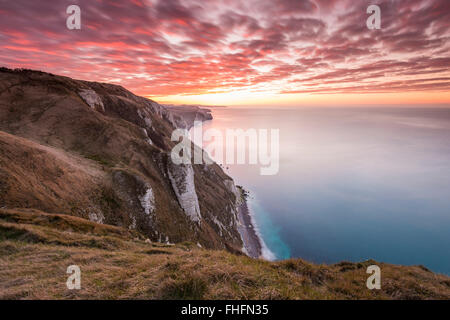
pixel 99 152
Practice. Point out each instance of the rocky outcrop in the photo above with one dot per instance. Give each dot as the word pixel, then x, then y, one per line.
pixel 92 99
pixel 237 193
pixel 182 180
pixel 148 201
pixel 96 217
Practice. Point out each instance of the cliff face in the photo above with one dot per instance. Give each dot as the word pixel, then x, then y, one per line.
pixel 185 116
pixel 99 152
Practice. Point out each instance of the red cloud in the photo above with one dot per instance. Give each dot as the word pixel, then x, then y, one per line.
pixel 164 47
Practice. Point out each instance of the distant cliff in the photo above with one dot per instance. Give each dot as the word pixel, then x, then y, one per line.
pixel 185 116
pixel 99 152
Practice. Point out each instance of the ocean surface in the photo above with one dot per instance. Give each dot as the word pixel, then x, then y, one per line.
pixel 353 183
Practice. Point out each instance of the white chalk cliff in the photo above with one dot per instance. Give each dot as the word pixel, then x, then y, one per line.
pixel 182 180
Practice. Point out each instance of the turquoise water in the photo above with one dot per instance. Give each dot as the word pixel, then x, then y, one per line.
pixel 353 184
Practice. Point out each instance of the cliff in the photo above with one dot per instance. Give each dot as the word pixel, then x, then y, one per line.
pixel 185 116
pixel 99 152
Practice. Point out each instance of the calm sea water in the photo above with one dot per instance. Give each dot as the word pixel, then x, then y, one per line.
pixel 353 184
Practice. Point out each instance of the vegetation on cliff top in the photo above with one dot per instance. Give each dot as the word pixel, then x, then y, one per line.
pixel 36 248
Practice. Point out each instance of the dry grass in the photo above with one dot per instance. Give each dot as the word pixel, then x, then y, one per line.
pixel 36 249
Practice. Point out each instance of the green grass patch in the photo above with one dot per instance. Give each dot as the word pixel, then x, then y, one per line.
pixel 101 160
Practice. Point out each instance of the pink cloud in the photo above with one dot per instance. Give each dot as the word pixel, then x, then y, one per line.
pixel 164 47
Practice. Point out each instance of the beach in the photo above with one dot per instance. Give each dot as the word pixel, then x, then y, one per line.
pixel 252 243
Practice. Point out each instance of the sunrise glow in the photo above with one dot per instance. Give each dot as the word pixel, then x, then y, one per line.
pixel 271 52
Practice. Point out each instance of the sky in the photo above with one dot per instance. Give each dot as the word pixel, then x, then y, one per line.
pixel 240 52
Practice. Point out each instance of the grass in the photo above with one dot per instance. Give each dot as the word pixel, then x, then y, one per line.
pixel 99 159
pixel 36 248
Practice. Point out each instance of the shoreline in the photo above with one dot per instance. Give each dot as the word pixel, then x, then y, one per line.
pixel 252 241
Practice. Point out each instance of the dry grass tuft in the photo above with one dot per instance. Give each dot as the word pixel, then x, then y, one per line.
pixel 36 248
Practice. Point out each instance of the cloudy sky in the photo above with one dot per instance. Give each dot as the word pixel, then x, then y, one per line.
pixel 276 52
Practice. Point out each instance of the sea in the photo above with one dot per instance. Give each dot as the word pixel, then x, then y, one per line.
pixel 354 183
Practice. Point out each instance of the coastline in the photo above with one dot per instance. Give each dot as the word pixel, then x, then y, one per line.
pixel 185 116
pixel 253 244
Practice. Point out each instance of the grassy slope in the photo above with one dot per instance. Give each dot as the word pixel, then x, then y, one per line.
pixel 59 155
pixel 36 248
